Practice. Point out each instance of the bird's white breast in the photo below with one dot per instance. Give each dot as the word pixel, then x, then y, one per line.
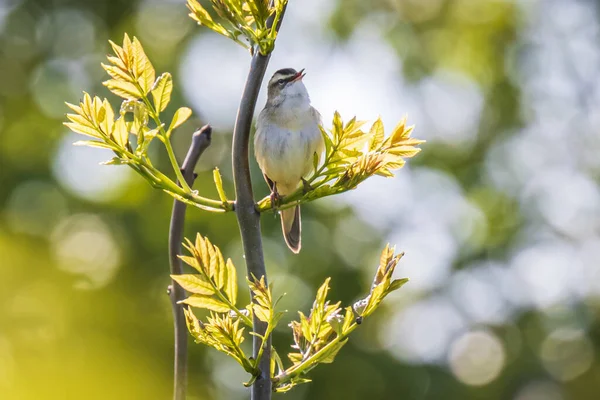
pixel 284 145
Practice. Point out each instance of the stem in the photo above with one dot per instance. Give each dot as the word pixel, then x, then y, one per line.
pixel 165 140
pixel 247 215
pixel 200 142
pixel 246 212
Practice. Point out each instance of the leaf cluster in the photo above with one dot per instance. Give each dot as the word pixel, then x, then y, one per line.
pixel 320 336
pixel 145 98
pixel 215 288
pixel 317 337
pixel 248 19
pixel 351 156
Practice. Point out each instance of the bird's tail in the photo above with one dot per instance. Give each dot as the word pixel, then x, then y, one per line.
pixel 291 227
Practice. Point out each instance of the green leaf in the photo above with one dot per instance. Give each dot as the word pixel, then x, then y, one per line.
pixel 114 161
pixel 120 133
pixel 93 143
pixel 376 135
pixel 196 284
pixel 329 355
pixel 315 161
pixel 206 302
pixel 219 185
pixel 181 115
pixel 142 67
pixel 126 90
pixel 231 288
pixel 338 127
pixel 261 313
pixel 161 92
pixel 396 284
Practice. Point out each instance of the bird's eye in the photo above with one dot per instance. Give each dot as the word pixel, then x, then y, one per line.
pixel 281 82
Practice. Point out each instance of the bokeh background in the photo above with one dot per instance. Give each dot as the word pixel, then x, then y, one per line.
pixel 499 215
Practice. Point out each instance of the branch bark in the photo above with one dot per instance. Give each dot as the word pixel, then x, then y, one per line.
pixel 200 141
pixel 246 211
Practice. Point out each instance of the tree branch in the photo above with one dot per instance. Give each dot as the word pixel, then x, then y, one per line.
pixel 200 141
pixel 246 212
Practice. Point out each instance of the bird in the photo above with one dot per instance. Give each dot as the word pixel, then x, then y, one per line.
pixel 286 139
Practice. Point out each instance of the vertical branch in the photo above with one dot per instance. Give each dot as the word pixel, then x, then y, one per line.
pixel 247 215
pixel 246 212
pixel 200 142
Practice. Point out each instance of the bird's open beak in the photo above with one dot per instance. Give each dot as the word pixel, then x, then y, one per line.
pixel 299 75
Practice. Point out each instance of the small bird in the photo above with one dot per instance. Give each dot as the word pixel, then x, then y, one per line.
pixel 287 137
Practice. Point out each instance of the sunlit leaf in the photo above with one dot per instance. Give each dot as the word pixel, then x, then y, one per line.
pixel 142 67
pixel 120 133
pixel 194 284
pixel 219 185
pixel 126 90
pixel 376 135
pixel 161 92
pixel 206 302
pixel 93 143
pixel 181 115
pixel 329 355
pixel 231 288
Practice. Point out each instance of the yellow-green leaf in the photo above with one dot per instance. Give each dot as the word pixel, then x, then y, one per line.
pixel 219 185
pixel 206 302
pixel 143 68
pixel 376 135
pixel 161 92
pixel 82 129
pixel 123 89
pixel 329 355
pixel 231 288
pixel 120 133
pixel 93 143
pixel 191 261
pixel 196 284
pixel 262 313
pixel 181 115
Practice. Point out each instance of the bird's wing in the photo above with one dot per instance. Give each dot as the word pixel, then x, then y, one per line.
pixel 317 115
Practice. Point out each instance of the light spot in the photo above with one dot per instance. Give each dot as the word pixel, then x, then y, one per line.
pixel 477 358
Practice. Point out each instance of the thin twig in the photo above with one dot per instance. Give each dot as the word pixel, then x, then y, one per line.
pixel 200 141
pixel 247 214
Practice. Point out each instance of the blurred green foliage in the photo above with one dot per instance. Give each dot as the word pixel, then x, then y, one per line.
pixel 83 251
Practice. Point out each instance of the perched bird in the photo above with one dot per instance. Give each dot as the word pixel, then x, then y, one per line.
pixel 286 139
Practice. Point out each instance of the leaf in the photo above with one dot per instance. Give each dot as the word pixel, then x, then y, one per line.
pixel 338 127
pixel 206 302
pixel 120 133
pixel 114 161
pixel 122 89
pixel 82 129
pixel 329 355
pixel 219 185
pixel 94 143
pixel 142 67
pixel 191 261
pixel 161 92
pixel 231 288
pixel 376 135
pixel 221 269
pixel 396 284
pixel 194 284
pixel 181 115
pixel 261 313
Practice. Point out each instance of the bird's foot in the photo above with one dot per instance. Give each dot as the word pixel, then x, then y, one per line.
pixel 306 187
pixel 275 198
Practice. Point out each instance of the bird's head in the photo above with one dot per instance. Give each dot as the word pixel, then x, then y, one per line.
pixel 286 84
